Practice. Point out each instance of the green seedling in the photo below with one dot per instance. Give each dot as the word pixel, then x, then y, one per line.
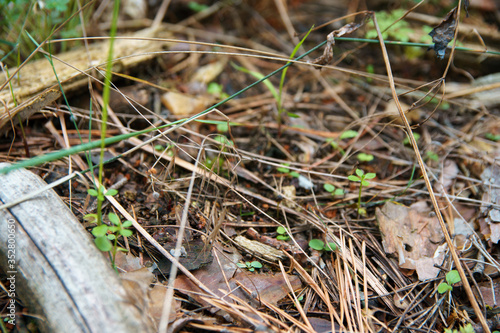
pixel 349 134
pixel 363 157
pixel 284 169
pixel 216 89
pixel 406 141
pixel 492 137
pixel 431 156
pixel 106 237
pixel 282 234
pixel 319 245
pixel 452 277
pixel 361 177
pixel 251 266
pixel 281 110
pixel 197 7
pixel 100 194
pixel 463 329
pixel 334 191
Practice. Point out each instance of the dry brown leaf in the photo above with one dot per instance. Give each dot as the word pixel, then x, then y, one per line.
pixel 413 237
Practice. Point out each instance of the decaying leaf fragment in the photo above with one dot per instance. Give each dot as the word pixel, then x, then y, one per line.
pixel 413 238
pixel 330 41
pixel 444 33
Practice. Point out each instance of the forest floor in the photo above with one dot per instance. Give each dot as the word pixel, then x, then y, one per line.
pixel 356 191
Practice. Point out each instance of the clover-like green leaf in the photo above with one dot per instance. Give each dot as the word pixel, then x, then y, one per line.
pixel 280 230
pixel 126 233
pixel 256 264
pixel 360 172
pixel 370 175
pixel 100 230
pixel 363 157
pixel 453 277
pixel 353 178
pixel 317 244
pixel 444 287
pixel 114 218
pixel 348 134
pixel 111 192
pixel 329 187
pixel 92 192
pixel 126 224
pixel 103 243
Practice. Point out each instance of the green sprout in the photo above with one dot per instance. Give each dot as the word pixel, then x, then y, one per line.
pixel 492 137
pixel 334 191
pixel 362 179
pixel 282 234
pixel 406 141
pixel 452 277
pixel 284 169
pixel 251 266
pixel 363 157
pixel 106 237
pixel 349 134
pixel 319 245
pixel 431 156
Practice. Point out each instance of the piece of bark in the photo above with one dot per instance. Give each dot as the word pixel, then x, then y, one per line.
pixel 59 273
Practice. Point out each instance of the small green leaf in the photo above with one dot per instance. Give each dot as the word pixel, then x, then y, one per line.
pixel 222 128
pixel 100 230
pixel 92 192
pixel 370 175
pixel 127 224
pixel 365 182
pixel 113 229
pixel 114 218
pixel 280 230
pixel 353 178
pixel 329 187
pixel 407 140
pixel 197 7
pixel 256 264
pixel 292 115
pixel 223 140
pixel 214 88
pixel 159 148
pixel 111 237
pixel 444 287
pixel 452 277
pixel 103 243
pixel 251 269
pixel 283 237
pixel 126 233
pixel 111 192
pixel 492 137
pixel 362 211
pixel 365 157
pixel 283 169
pixel 338 192
pixel 330 247
pixel 295 174
pixel 240 265
pixel 121 249
pixel 316 244
pixel 432 155
pixel 360 172
pixel 348 134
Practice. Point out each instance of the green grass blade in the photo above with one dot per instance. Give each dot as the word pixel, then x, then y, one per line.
pixel 259 76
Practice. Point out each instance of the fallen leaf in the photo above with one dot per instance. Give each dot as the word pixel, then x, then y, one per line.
pixel 444 33
pixel 413 237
